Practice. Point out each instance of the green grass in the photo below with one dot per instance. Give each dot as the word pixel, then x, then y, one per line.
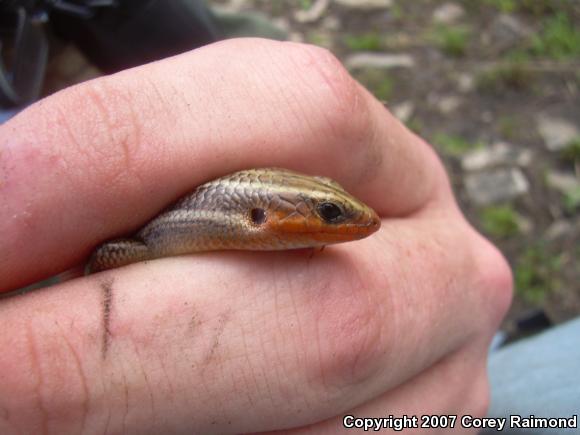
pixel 322 39
pixel 539 7
pixel 415 125
pixel 305 4
pixel 572 152
pixel 453 145
pixel 572 200
pixel 506 6
pixel 510 127
pixel 452 40
pixel 379 82
pixel 536 273
pixel 365 42
pixel 397 12
pixel 500 221
pixel 559 38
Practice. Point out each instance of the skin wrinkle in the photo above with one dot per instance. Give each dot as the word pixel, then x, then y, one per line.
pixel 107 421
pixel 97 108
pixel 300 356
pixel 365 343
pixel 64 125
pixel 302 343
pixel 5 415
pixel 166 377
pixel 167 385
pixel 104 134
pixel 130 140
pixel 123 131
pixel 160 116
pixel 249 366
pixel 292 279
pixel 139 363
pixel 85 401
pixel 103 393
pixel 270 396
pixel 273 348
pixel 35 368
pixel 126 402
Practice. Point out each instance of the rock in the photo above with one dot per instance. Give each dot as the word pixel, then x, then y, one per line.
pixel 298 37
pixel 365 4
pixel 282 23
pixel 556 132
pixel 465 82
pixel 235 24
pixel 448 13
pixel 379 60
pixel 525 225
pixel 564 182
pixel 448 104
pixel 486 116
pixel 403 111
pixel 330 22
pixel 322 38
pixel 313 13
pixel 498 154
pixel 236 5
pixel 70 63
pixel 506 31
pixel 498 185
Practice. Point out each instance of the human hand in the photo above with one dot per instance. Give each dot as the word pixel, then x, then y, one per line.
pixel 230 342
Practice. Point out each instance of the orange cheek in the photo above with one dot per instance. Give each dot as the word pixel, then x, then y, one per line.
pixel 281 223
pixel 312 228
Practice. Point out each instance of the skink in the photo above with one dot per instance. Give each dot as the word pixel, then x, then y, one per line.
pixel 254 209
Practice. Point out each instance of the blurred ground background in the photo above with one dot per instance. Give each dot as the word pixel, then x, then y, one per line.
pixel 494 86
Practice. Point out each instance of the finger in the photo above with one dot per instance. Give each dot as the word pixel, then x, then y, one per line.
pixel 99 159
pixel 434 402
pixel 235 342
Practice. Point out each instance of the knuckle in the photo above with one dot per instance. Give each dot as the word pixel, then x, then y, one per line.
pixel 333 96
pixel 481 396
pixel 493 277
pixel 350 340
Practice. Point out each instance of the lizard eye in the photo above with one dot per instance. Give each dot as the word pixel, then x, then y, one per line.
pixel 330 212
